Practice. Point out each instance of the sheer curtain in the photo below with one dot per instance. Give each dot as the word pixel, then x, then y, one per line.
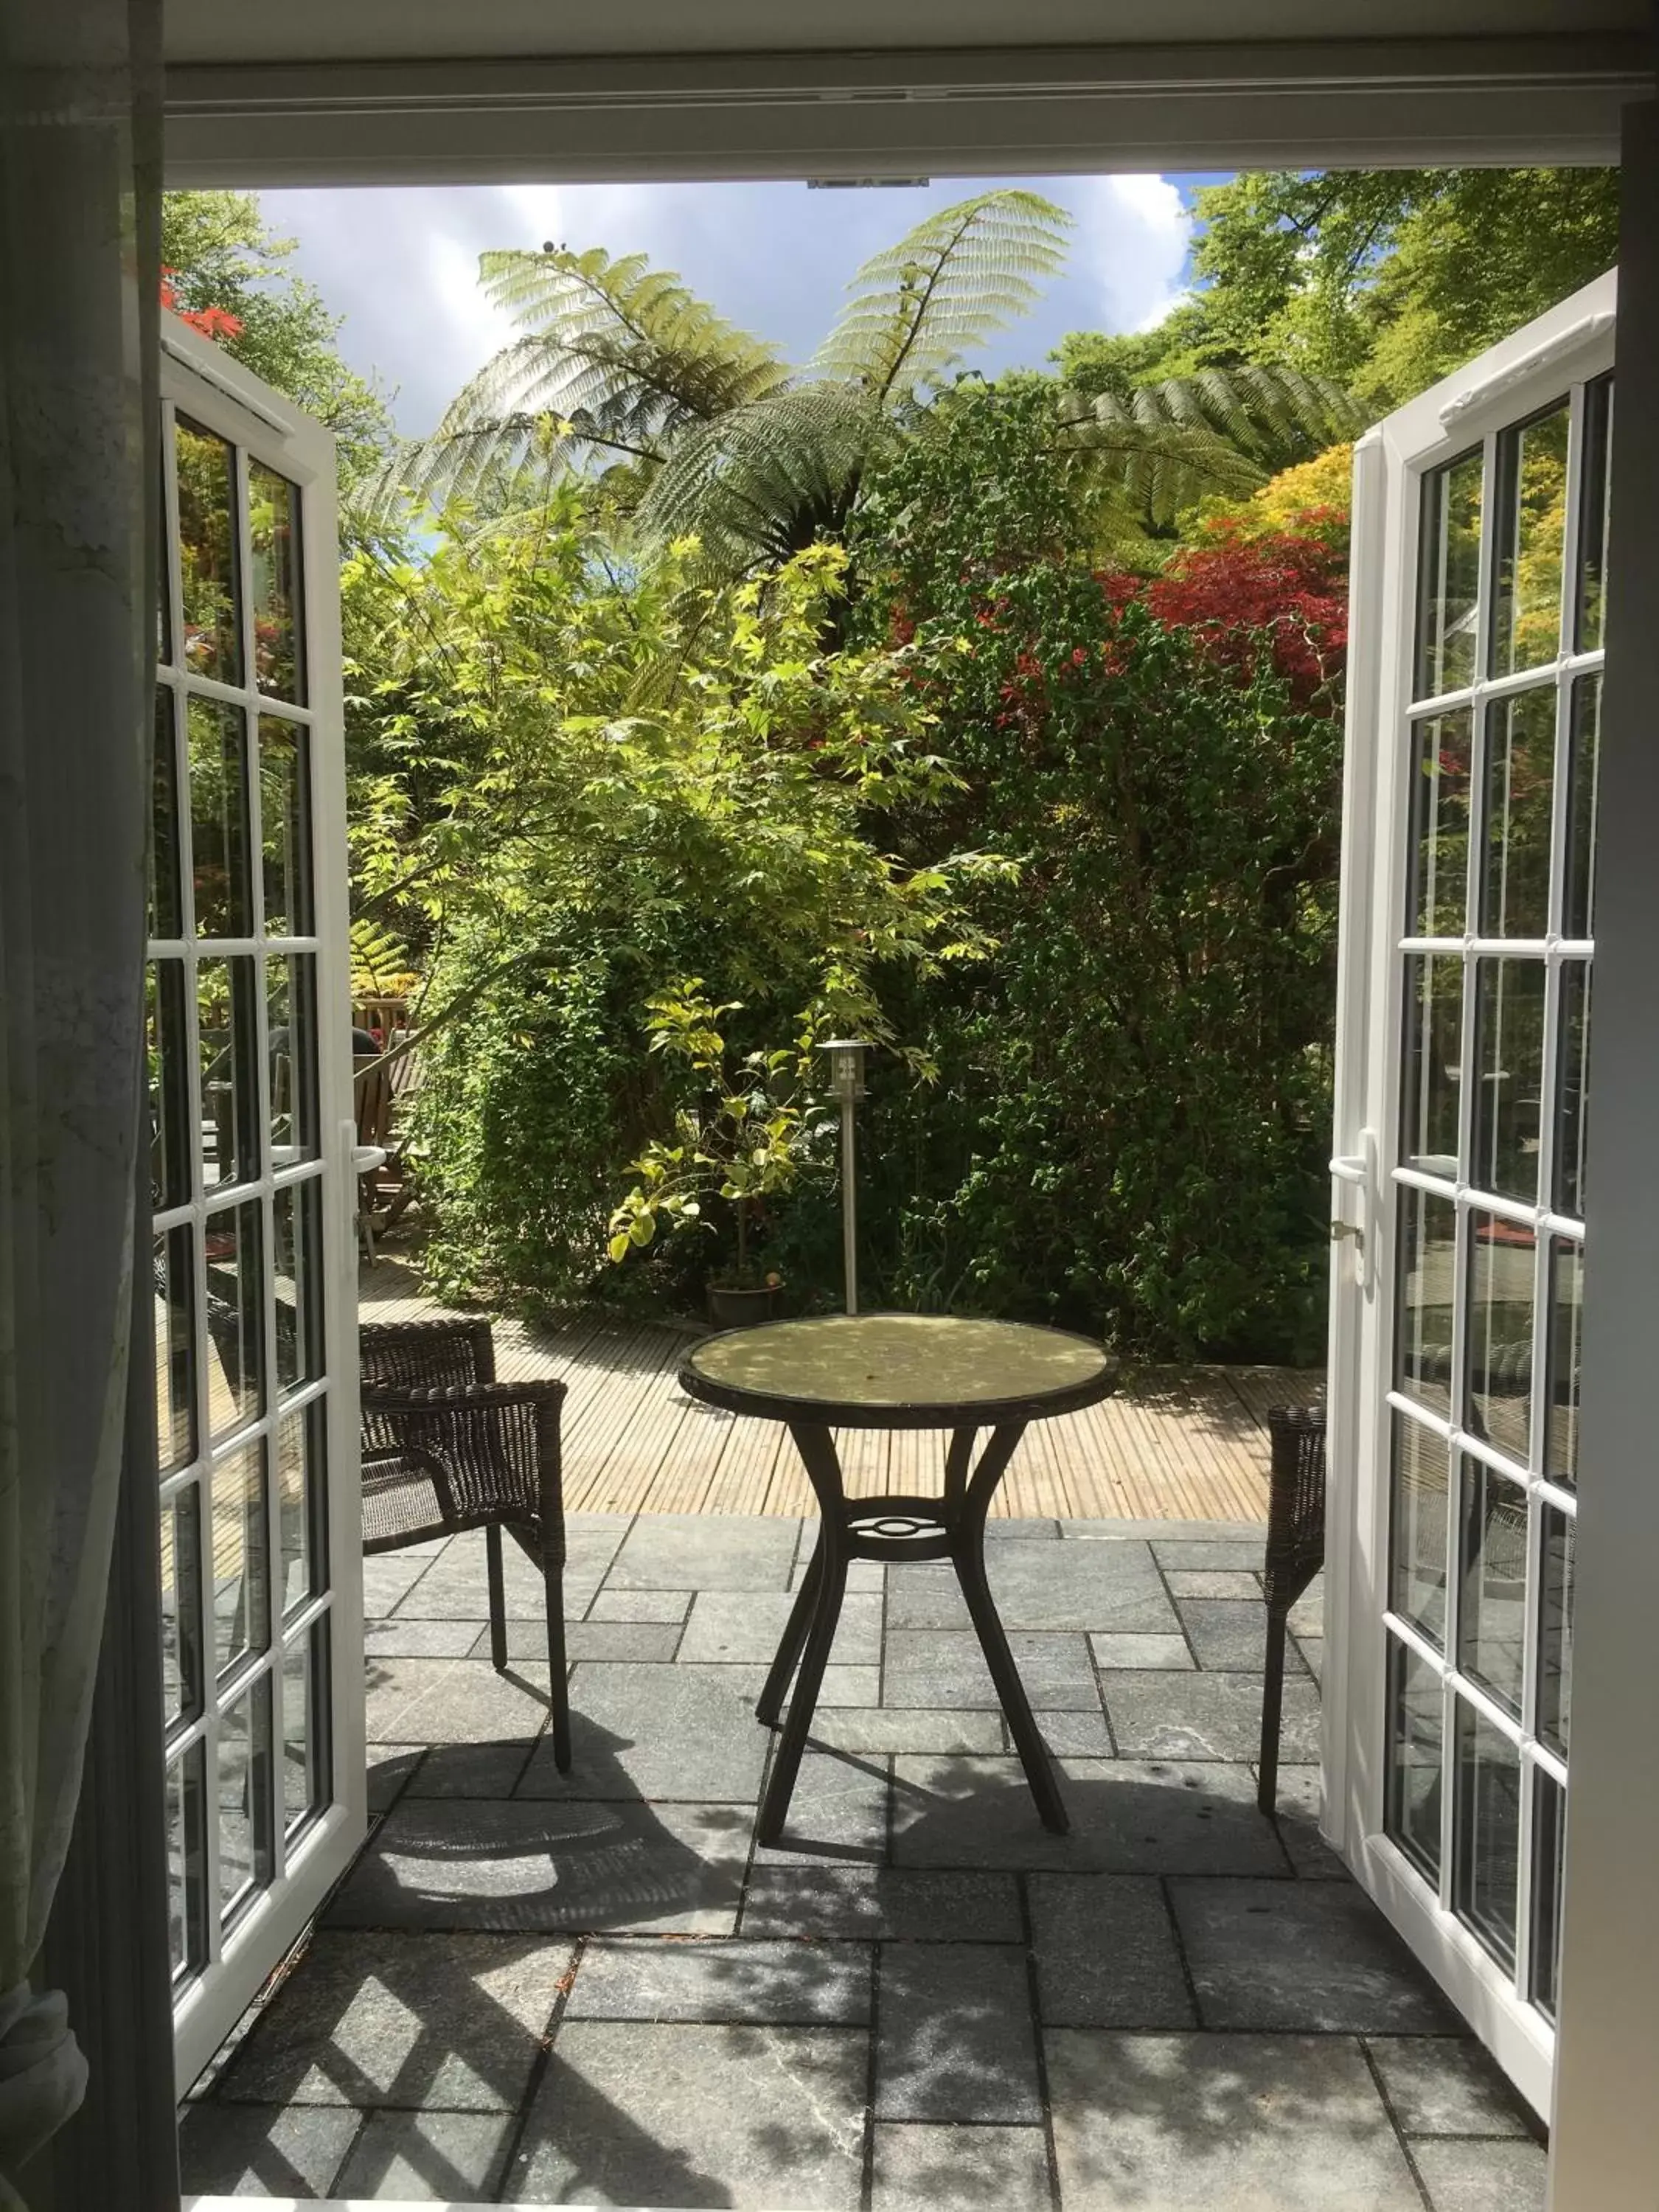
pixel 79 125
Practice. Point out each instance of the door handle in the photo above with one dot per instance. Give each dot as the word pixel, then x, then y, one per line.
pixel 1358 1170
pixel 365 1159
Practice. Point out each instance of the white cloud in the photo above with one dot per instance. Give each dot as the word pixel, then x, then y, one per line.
pixel 1134 235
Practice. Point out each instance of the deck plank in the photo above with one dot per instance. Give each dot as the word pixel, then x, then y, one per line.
pixel 1175 1443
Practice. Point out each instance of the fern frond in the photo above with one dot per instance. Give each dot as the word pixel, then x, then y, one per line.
pixel 616 358
pixel 958 276
pixel 766 480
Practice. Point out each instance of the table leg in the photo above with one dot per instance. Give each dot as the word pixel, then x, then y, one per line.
pixel 817 1450
pixel 968 1556
pixel 769 1705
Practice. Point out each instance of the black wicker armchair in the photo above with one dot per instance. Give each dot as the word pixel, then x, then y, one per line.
pixel 447 1448
pixel 1295 1552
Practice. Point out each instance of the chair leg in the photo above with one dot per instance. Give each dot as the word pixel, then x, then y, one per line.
pixel 1273 1705
pixel 498 1598
pixel 557 1674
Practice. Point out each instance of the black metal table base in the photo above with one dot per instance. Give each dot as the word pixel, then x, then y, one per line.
pixel 895 1528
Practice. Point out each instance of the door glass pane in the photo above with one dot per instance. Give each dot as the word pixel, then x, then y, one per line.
pixel 241 1616
pixel 301 1501
pixel 1549 1847
pixel 285 826
pixel 1593 534
pixel 228 1035
pixel 167 1065
pixel 1428 1276
pixel 1487 1831
pixel 304 1737
pixel 181 1605
pixel 1572 1088
pixel 1449 578
pixel 1578 893
pixel 1434 1030
pixel 244 1794
pixel 291 981
pixel 166 900
pixel 1520 791
pixel 235 1317
pixel 1418 1568
pixel 1559 1536
pixel 1491 1617
pixel 187 1818
pixel 1412 1813
pixel 1508 1033
pixel 207 553
pixel 1440 826
pixel 1497 1399
pixel 1566 1324
pixel 296 1217
pixel 273 513
pixel 1531 514
pixel 173 1278
pixel 218 819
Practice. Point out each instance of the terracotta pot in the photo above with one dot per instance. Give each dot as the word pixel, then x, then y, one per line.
pixel 735 1309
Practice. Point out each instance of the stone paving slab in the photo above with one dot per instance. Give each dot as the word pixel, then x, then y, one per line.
pixel 749 1626
pixel 890 1904
pixel 1077 1734
pixel 1213 1582
pixel 1442 2086
pixel 1106 1953
pixel 470 1769
pixel 954 2038
pixel 1205 1716
pixel 548 1868
pixel 704 1552
pixel 1239 1555
pixel 417 2157
pixel 1127 1817
pixel 1161 1652
pixel 660 1732
pixel 632 2113
pixel 927 2169
pixel 453 1701
pixel 792 1984
pixel 838 1811
pixel 945 1667
pixel 263 2150
pixel 1232 1633
pixel 647 1605
pixel 1222 2124
pixel 451 2022
pixel 1267 1955
pixel 588 1639
pixel 1484 2177
pixel 883 1729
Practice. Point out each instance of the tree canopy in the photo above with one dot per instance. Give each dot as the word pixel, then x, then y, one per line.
pixel 1381 280
pixel 223 268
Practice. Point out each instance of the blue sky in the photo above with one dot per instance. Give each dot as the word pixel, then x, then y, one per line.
pixel 402 265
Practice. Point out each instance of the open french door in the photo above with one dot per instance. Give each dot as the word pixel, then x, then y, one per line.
pixel 1468 918
pixel 251 1136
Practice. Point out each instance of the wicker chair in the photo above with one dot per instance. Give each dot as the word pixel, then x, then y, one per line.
pixel 1295 1552
pixel 447 1447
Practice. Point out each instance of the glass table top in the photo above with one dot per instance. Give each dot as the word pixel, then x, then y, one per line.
pixel 889 1361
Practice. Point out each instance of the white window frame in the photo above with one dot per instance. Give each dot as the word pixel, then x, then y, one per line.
pixel 201 381
pixel 1569 346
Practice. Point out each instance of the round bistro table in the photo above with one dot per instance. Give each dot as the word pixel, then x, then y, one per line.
pixel 897 1371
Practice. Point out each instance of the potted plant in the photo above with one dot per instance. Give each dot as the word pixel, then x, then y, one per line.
pixel 743 1137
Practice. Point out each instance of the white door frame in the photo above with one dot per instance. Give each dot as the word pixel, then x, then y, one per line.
pixel 198 379
pixel 1529 370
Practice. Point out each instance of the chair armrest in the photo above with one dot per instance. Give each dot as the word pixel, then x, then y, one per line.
pixel 498 1442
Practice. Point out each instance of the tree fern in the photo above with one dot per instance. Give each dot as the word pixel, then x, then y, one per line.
pixel 1218 430
pixel 616 358
pixel 948 284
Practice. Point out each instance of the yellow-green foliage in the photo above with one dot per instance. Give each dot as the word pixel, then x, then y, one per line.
pixel 1312 498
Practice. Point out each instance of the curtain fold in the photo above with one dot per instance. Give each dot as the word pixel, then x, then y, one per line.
pixel 79 127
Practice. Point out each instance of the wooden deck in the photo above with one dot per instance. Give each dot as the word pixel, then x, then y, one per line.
pixel 1176 1443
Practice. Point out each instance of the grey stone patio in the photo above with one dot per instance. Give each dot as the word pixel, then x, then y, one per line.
pixel 596 1990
